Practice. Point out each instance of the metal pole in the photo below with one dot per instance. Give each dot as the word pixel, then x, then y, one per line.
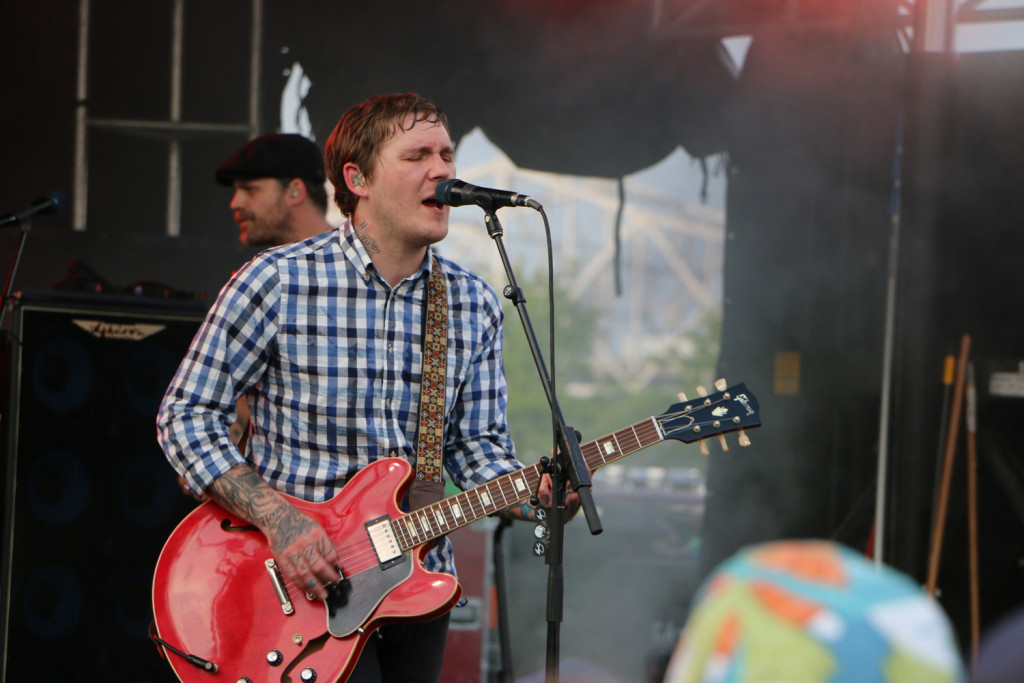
pixel 254 68
pixel 912 237
pixel 174 145
pixel 81 170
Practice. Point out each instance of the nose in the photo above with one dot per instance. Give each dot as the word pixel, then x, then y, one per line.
pixel 442 168
pixel 236 200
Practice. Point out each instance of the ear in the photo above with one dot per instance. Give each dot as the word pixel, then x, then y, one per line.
pixel 355 179
pixel 295 192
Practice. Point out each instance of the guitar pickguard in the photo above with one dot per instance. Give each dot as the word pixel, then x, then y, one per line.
pixel 351 603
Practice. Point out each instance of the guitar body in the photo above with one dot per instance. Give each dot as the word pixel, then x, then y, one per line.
pixel 214 597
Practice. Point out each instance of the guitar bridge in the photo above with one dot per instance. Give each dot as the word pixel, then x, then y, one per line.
pixel 278 583
pixel 385 544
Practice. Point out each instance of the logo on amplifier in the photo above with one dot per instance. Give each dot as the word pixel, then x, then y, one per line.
pixel 127 332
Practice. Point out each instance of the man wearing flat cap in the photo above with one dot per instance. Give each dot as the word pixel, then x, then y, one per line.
pixel 279 189
pixel 279 198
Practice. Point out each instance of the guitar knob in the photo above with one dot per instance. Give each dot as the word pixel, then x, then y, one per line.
pixel 308 675
pixel 274 658
pixel 244 679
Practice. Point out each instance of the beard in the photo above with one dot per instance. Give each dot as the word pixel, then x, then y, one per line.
pixel 265 231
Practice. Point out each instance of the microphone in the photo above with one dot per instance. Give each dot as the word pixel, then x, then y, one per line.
pixel 458 193
pixel 51 203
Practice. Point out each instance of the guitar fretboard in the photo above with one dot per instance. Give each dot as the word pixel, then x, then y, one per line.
pixel 454 512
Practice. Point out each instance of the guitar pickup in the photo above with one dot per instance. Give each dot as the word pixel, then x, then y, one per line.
pixel 385 543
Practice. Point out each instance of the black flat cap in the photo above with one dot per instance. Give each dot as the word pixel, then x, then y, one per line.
pixel 276 155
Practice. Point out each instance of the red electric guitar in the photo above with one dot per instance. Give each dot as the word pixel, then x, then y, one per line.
pixel 224 613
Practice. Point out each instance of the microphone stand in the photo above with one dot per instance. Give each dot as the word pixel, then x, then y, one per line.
pixel 569 462
pixel 26 226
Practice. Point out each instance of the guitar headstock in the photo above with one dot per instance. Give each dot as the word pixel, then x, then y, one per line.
pixel 730 409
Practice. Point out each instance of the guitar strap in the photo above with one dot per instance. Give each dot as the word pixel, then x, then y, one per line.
pixel 428 486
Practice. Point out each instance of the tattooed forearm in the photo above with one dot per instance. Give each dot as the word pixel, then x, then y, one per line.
pixel 304 552
pixel 524 511
pixel 244 493
pixel 369 243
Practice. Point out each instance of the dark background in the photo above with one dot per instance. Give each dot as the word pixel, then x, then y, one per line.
pixel 812 128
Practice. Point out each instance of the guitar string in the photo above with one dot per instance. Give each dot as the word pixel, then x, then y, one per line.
pixel 359 551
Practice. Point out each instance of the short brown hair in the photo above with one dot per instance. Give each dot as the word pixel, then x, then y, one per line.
pixel 363 129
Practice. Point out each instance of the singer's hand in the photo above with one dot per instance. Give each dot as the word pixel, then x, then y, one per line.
pixel 304 552
pixel 546 495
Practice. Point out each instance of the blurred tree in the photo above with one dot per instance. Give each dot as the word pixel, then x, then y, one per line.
pixel 592 401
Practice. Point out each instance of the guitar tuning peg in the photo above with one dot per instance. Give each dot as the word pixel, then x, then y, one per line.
pixel 721 386
pixel 742 438
pixel 702 445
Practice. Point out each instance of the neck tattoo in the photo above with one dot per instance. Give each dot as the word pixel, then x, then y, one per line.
pixel 369 243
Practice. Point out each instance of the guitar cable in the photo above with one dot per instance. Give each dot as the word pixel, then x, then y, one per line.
pixel 194 660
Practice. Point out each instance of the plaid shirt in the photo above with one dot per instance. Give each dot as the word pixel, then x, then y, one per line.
pixel 329 359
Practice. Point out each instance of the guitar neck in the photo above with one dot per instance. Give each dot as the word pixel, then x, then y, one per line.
pixel 455 512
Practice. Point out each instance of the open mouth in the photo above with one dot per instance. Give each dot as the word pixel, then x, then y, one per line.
pixel 432 202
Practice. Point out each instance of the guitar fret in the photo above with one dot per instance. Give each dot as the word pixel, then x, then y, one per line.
pixel 440 513
pixel 589 450
pixel 399 528
pixel 618 446
pixel 476 509
pixel 504 498
pixel 471 506
pixel 408 531
pixel 508 492
pixel 624 445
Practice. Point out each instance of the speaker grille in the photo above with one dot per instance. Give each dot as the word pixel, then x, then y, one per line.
pixel 89 497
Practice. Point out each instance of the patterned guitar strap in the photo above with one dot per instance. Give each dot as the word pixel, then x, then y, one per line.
pixel 428 486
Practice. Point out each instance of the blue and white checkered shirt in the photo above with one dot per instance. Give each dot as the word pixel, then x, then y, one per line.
pixel 329 358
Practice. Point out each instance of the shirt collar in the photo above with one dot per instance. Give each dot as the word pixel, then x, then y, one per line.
pixel 360 258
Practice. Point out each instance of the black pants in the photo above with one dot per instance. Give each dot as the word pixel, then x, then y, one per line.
pixel 408 652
